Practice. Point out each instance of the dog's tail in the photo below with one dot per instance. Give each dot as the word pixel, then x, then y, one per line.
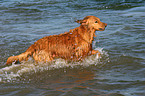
pixel 18 58
pixel 22 57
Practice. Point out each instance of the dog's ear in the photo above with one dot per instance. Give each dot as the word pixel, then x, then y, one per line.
pixel 82 22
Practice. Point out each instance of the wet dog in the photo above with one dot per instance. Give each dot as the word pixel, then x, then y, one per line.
pixel 73 45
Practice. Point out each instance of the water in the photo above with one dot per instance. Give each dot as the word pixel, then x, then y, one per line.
pixel 119 71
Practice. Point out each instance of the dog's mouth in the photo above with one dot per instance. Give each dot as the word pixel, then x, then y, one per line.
pixel 101 29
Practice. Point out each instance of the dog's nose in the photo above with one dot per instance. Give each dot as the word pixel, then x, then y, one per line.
pixel 105 24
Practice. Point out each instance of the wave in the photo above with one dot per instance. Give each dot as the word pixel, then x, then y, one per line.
pixel 137 11
pixel 37 7
pixel 119 4
pixel 15 71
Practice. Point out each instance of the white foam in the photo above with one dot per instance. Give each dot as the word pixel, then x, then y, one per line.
pixel 10 73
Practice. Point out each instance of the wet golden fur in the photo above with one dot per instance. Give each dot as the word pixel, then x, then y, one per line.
pixel 73 45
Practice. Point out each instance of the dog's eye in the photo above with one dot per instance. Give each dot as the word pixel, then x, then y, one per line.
pixel 96 22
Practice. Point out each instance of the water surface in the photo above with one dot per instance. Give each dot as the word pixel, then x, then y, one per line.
pixel 119 71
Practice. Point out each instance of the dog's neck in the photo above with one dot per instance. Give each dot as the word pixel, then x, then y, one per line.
pixel 87 34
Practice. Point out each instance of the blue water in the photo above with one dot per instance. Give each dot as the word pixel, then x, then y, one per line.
pixel 119 71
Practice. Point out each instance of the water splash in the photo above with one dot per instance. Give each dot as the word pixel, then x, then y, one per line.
pixel 13 72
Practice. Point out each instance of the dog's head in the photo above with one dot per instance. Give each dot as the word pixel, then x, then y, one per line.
pixel 93 22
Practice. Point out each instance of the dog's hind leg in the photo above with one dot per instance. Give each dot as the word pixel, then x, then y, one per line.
pixel 42 56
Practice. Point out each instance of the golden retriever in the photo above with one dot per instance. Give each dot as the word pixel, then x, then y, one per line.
pixel 73 45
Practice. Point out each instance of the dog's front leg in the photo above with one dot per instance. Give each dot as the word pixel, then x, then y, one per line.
pixel 96 52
